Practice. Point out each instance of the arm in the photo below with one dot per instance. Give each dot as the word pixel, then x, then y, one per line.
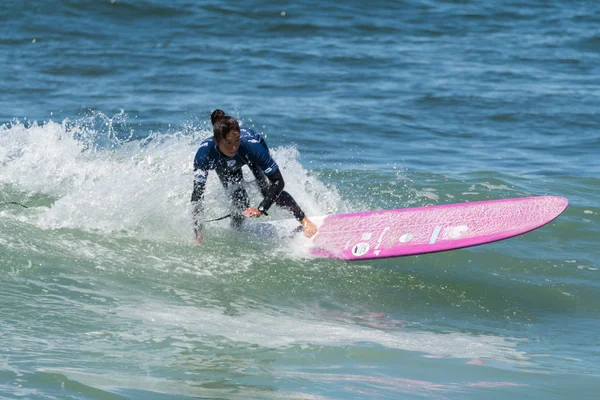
pixel 275 188
pixel 198 203
pixel 260 157
pixel 198 206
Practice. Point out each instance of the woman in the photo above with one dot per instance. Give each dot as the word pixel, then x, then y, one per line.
pixel 226 152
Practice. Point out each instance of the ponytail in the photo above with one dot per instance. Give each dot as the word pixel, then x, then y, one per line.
pixel 216 115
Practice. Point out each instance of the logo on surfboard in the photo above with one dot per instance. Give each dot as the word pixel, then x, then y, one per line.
pixel 360 249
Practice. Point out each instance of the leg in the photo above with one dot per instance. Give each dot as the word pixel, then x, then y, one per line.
pixel 239 203
pixel 232 183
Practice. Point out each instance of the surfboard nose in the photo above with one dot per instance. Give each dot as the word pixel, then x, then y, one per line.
pixel 559 203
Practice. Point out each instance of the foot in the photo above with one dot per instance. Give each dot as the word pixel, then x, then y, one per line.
pixel 308 227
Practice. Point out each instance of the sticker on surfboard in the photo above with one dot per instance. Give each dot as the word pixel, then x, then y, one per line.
pixel 360 249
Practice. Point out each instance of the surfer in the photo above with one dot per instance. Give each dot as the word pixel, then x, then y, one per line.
pixel 226 152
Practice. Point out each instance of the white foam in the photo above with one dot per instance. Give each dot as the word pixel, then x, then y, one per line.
pixel 172 387
pixel 137 187
pixel 276 330
pixel 428 193
pixel 490 186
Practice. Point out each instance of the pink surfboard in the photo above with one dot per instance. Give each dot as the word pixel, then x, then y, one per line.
pixel 410 231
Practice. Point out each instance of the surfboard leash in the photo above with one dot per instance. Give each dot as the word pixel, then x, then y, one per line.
pixel 218 219
pixel 292 233
pixel 13 202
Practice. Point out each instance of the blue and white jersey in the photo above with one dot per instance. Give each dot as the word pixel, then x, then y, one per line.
pixel 253 151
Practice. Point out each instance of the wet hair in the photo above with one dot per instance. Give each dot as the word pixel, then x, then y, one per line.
pixel 216 115
pixel 223 126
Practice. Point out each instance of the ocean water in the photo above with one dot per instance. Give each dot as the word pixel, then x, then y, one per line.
pixel 367 106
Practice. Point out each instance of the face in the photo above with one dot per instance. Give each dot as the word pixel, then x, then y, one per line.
pixel 230 144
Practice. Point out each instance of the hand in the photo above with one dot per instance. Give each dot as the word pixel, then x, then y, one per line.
pixel 251 213
pixel 308 227
pixel 199 238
